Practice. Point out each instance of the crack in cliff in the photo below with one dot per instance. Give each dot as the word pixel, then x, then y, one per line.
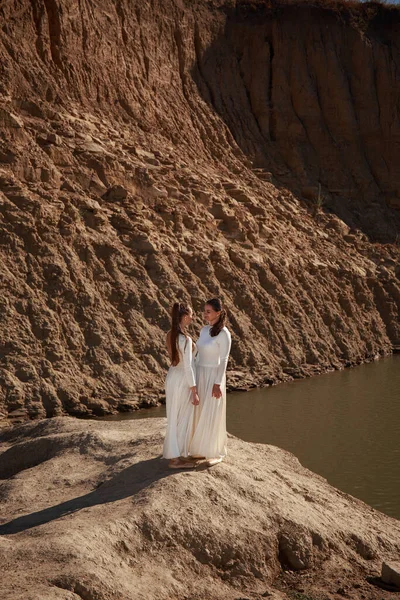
pixel 248 95
pixel 37 17
pixel 182 73
pixel 54 24
pixel 301 121
pixel 181 60
pixel 146 60
pixel 9 49
pixel 197 50
pixel 375 70
pixel 85 35
pixel 272 117
pixel 121 16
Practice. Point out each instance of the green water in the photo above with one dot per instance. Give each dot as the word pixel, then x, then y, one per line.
pixel 343 425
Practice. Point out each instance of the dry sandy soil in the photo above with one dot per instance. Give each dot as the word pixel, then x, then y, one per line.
pixel 89 511
pixel 169 149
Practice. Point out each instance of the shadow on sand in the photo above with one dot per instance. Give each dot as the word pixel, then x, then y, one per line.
pixel 127 483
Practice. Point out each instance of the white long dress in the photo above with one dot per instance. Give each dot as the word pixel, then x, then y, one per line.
pixel 209 438
pixel 180 410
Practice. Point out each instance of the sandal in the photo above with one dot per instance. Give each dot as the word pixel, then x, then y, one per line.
pixel 210 462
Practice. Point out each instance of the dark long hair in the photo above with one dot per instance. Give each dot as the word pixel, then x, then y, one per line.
pixel 216 304
pixel 179 310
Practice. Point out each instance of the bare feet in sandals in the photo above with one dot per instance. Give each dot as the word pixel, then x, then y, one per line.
pixel 210 462
pixel 191 459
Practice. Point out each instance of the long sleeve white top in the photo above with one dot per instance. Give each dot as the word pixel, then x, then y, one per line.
pixel 214 351
pixel 186 359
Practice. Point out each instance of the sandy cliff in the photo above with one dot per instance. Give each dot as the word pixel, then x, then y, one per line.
pixel 314 92
pixel 154 150
pixel 90 512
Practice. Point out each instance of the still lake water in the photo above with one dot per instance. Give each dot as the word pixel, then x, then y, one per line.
pixel 343 425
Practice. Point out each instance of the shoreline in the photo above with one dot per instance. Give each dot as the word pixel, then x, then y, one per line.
pixel 259 382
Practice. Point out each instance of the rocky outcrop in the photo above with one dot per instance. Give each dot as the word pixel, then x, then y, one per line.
pixel 146 159
pixel 90 510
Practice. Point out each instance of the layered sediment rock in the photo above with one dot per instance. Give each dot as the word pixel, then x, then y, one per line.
pixel 211 152
pixel 90 511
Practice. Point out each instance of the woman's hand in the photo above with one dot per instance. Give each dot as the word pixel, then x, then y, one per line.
pixel 216 391
pixel 195 397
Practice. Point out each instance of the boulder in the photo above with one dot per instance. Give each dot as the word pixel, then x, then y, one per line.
pixel 391 573
pixel 55 139
pixel 115 193
pixel 9 119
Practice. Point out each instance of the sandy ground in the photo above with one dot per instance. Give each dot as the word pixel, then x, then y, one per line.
pixel 90 511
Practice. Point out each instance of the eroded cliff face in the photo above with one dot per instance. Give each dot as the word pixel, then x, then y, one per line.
pixel 161 150
pixel 313 95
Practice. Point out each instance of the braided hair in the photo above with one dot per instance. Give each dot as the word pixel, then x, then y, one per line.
pixel 179 310
pixel 216 304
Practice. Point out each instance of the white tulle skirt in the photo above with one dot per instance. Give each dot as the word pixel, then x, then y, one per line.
pixel 180 414
pixel 209 437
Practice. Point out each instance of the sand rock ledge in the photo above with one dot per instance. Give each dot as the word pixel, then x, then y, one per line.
pixel 89 511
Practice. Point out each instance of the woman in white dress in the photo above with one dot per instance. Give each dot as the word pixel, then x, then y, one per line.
pixel 213 347
pixel 180 389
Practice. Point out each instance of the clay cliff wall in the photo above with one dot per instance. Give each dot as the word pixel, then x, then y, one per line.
pixel 166 149
pixel 313 93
